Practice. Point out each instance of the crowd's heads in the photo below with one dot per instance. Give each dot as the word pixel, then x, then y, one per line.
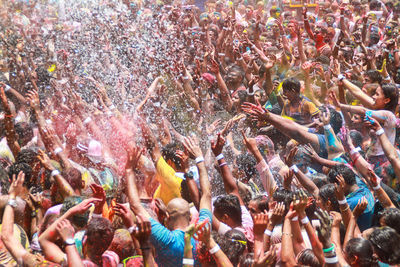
pixel 328 198
pixel 78 220
pixel 16 168
pixel 347 173
pixel 178 212
pixel 359 252
pixel 291 88
pixel 99 234
pixel 391 217
pixel 306 257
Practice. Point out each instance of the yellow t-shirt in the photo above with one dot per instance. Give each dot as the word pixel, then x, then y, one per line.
pixel 170 184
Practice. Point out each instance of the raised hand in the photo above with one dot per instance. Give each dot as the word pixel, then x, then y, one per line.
pixel 257 112
pixel 218 145
pixel 339 187
pixel 325 229
pixel 33 99
pixel 99 193
pixel 260 221
pixel 134 155
pixel 277 213
pixel 290 157
pixel 268 259
pixel 84 205
pixel 361 206
pixel 301 201
pixel 192 146
pixel 325 116
pixel 142 230
pixel 65 230
pixel 16 187
pixel 337 218
pixel 124 212
pixel 45 160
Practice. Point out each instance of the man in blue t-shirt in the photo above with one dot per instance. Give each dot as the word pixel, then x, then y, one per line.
pixel 354 190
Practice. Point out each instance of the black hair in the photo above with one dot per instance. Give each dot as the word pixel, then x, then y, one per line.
pixel 363 249
pixel 169 153
pixel 347 173
pixel 24 131
pixel 262 202
pixel 307 257
pixel 27 156
pixel 246 163
pixel 357 82
pixel 25 168
pixel 390 91
pixel 79 220
pixel 319 182
pixel 356 138
pixel 385 241
pixel 392 218
pixel 374 5
pixel 283 195
pixel 291 84
pixel 230 205
pixel 336 120
pixel 323 60
pixel 100 232
pixel 73 177
pixel 234 245
pixel 327 192
pixel 4 181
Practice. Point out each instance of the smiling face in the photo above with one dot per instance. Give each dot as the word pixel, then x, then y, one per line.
pixel 380 99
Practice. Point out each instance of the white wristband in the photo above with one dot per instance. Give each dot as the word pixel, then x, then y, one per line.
pixel 332 260
pixel 341 77
pixel 95 215
pixel 294 168
pixel 376 187
pixel 7 88
pixel 58 150
pixel 199 159
pixel 248 93
pixel 215 249
pixel 305 220
pixel 327 127
pixel 342 202
pixel 54 173
pixel 188 261
pixel 87 120
pixel 267 232
pixel 185 78
pixel 355 150
pixel 380 132
pixel 220 156
pixel 295 219
pixel 221 54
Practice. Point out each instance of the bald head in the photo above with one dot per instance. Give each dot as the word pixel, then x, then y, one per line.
pixel 178 211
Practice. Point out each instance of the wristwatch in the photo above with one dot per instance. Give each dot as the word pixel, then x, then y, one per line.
pixel 12 202
pixel 188 175
pixel 69 241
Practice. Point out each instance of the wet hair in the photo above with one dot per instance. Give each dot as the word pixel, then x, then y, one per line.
pixel 307 257
pixel 261 201
pixel 79 220
pixel 100 233
pixel 374 5
pixel 247 260
pixel 385 241
pixel 230 205
pixel 319 182
pixel 390 91
pixel 122 244
pixel 363 249
pixel 4 181
pixel 25 168
pixel 323 60
pixel 356 138
pixel 347 173
pixel 246 163
pixel 327 192
pixel 169 153
pixel 24 131
pixel 73 177
pixel 283 195
pixel 27 156
pixel 234 245
pixel 336 120
pixel 392 218
pixel 291 84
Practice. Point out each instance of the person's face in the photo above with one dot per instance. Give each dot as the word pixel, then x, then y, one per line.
pixel 258 96
pixel 381 22
pixel 380 99
pixel 356 120
pixel 289 94
pixel 253 208
pixel 233 77
pixel 329 21
pixel 291 28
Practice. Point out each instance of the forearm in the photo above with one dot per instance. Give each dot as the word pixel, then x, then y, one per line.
pixel 73 257
pixel 133 196
pixel 64 187
pixel 366 100
pixel 334 147
pixel 390 153
pixel 316 245
pixel 225 95
pixel 205 200
pixel 227 177
pixel 287 253
pixel 220 258
pixel 307 183
pixel 335 237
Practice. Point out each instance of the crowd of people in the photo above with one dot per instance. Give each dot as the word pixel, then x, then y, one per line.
pixel 199 133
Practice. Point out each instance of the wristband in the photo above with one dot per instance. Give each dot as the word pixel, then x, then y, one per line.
pixel 185 78
pixel 330 249
pixel 295 219
pixel 12 203
pixel 341 77
pixel 294 168
pixel 248 93
pixel 54 173
pixel 49 121
pixel 220 156
pixel 240 59
pixel 376 187
pixel 87 120
pixel 332 260
pixel 58 150
pixel 95 215
pixel 215 249
pixel 267 232
pixel 253 46
pixel 225 28
pixel 222 164
pixel 380 132
pixel 305 220
pixel 355 150
pixel 342 202
pixel 199 159
pixel 221 54
pixel 109 113
pixel 188 261
pixel 7 88
pixel 132 228
pixel 111 107
pixel 327 127
pixel 387 78
pixel 342 16
pixel 33 213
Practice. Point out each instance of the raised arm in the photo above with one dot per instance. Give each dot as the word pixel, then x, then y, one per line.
pixel 9 125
